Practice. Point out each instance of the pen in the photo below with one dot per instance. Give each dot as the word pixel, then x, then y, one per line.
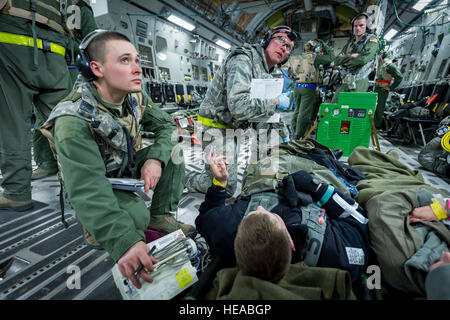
pixel 141 265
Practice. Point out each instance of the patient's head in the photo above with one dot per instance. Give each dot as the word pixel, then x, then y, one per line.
pixel 263 245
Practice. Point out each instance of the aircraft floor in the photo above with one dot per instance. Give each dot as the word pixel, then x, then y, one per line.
pixel 37 252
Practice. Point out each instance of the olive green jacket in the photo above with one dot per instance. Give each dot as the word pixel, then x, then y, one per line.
pixel 300 282
pixel 116 219
pixel 366 53
pixel 88 25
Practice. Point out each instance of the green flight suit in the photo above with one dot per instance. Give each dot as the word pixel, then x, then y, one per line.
pixel 355 71
pixel 387 72
pixel 116 219
pixel 42 154
pixel 87 25
pixel 23 85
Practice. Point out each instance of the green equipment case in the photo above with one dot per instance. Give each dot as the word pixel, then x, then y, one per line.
pixel 346 125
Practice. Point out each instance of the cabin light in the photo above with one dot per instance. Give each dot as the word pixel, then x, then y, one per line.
pixel 161 56
pixel 421 4
pixel 223 44
pixel 181 22
pixel 390 34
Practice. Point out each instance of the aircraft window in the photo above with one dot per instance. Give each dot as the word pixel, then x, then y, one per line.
pixel 189 89
pixel 195 71
pixel 161 48
pixel 141 28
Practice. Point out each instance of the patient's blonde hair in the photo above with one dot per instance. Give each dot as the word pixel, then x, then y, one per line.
pixel 262 248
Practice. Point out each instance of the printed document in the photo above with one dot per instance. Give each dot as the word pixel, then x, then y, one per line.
pixel 266 88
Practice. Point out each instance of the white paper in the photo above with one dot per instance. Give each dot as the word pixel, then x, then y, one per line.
pixel 165 283
pixel 266 88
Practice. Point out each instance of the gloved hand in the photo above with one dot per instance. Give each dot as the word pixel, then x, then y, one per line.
pixel 283 102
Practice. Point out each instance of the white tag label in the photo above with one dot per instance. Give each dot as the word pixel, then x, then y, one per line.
pixel 355 255
pixel 266 88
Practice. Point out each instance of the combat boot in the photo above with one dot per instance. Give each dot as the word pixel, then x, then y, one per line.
pixel 168 224
pixel 40 173
pixel 19 206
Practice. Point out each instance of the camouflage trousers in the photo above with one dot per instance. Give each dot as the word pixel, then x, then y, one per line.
pixel 241 148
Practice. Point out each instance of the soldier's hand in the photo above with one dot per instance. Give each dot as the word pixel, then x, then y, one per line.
pixel 132 258
pixel 218 168
pixel 150 173
pixel 386 89
pixel 354 55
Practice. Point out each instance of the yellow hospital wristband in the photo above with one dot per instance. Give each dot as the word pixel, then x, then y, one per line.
pixel 218 183
pixel 437 209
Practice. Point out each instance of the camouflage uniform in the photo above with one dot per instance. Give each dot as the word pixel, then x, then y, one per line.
pixel 386 72
pixel 355 72
pixel 227 105
pixel 89 149
pixel 303 70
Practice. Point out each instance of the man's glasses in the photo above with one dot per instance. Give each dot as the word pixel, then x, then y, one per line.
pixel 284 42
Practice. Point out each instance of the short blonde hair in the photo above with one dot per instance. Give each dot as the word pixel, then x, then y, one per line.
pixel 262 248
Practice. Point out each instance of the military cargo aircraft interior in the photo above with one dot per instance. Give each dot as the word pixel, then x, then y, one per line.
pixel 343 106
